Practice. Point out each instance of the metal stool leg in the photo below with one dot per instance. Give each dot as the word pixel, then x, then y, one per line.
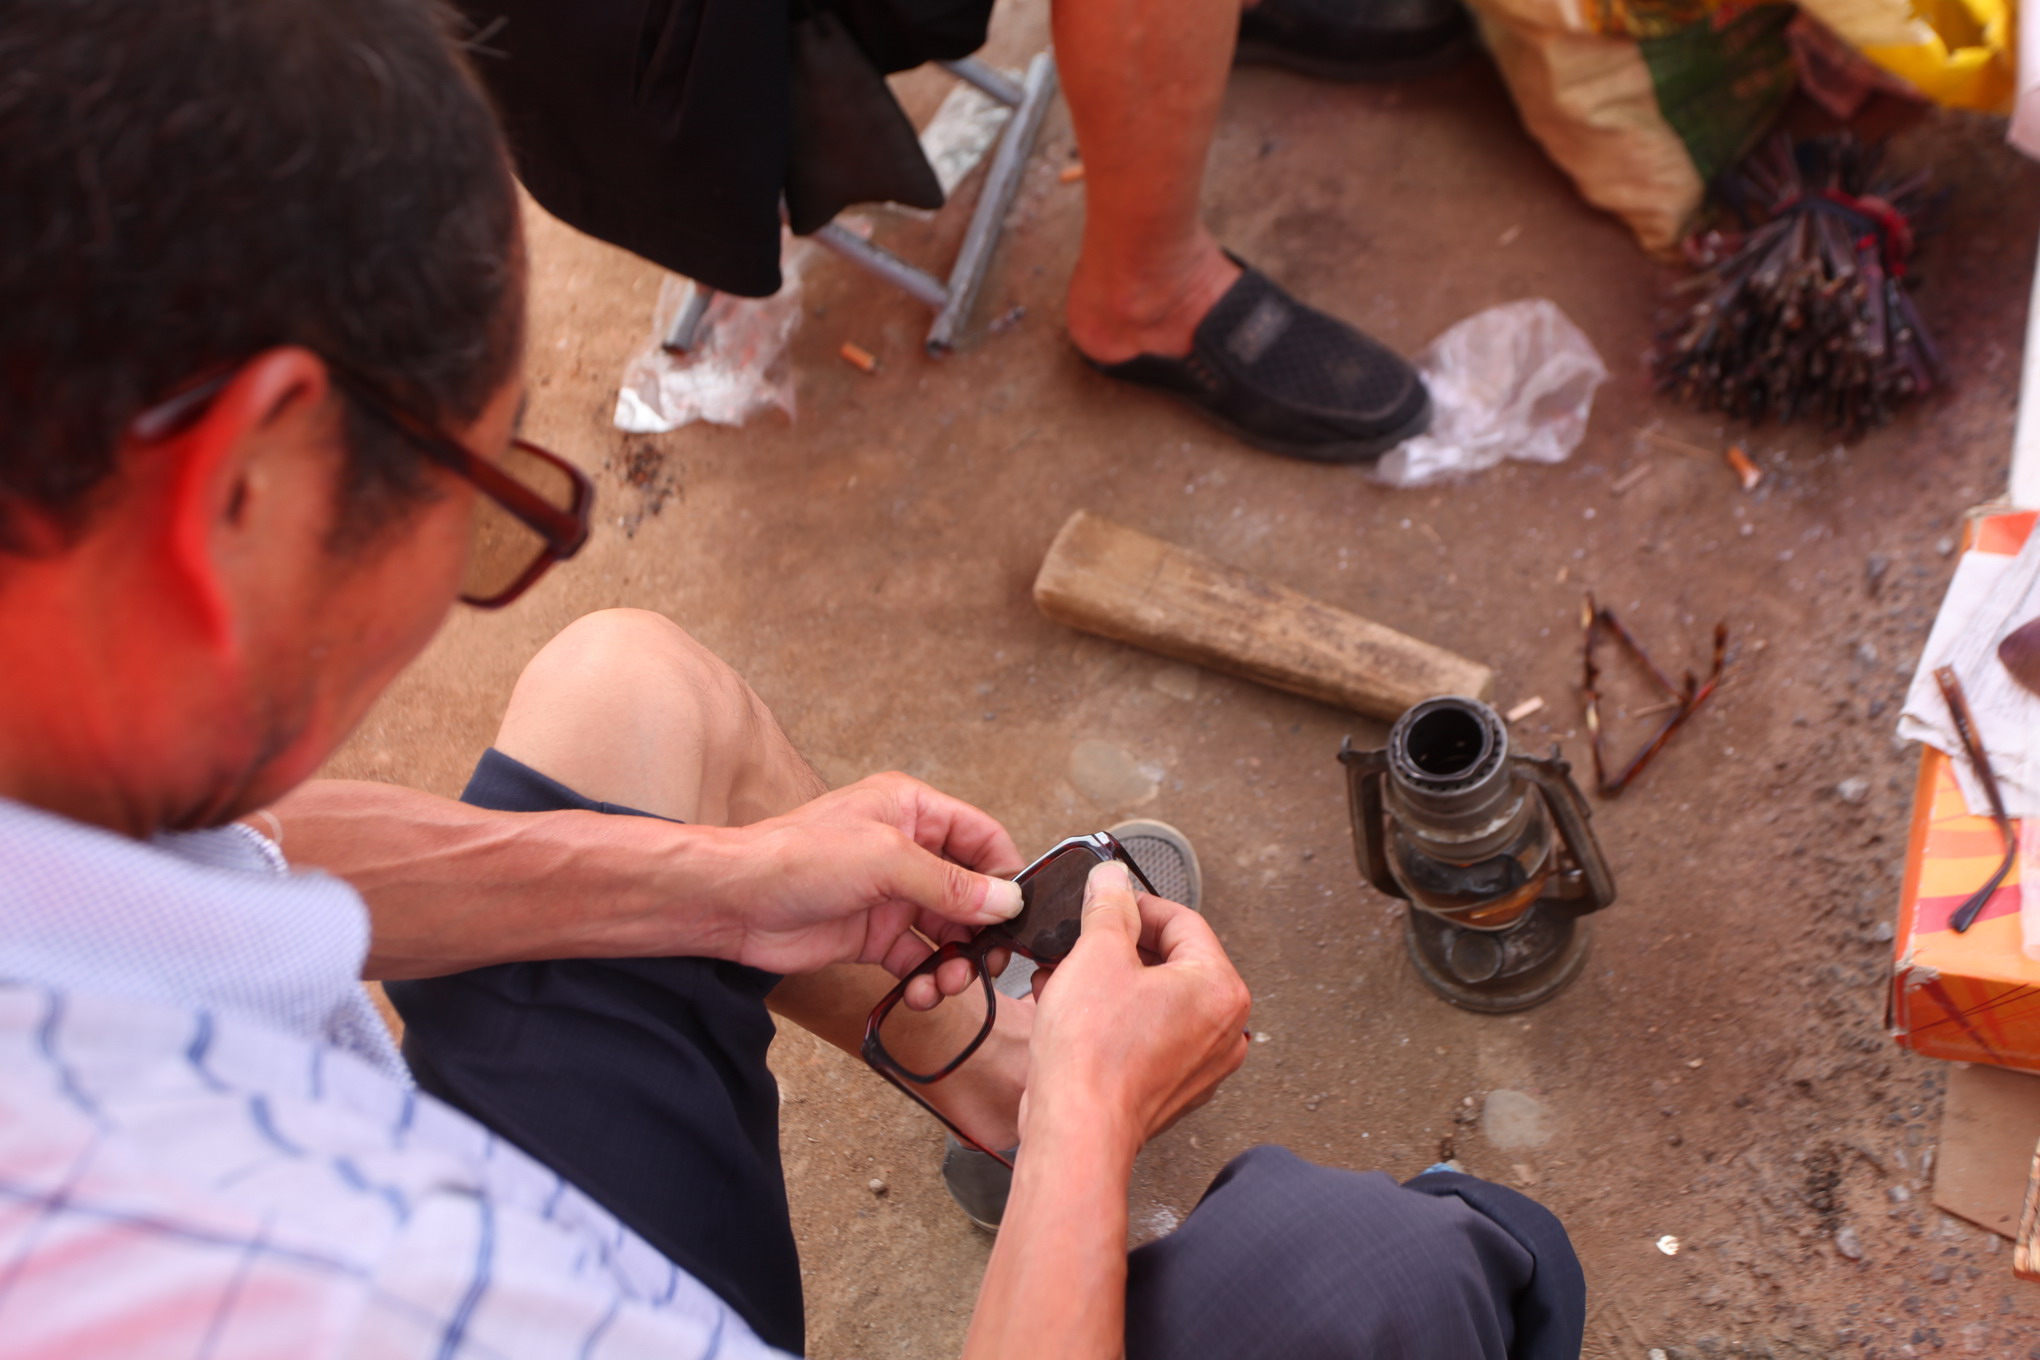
pixel 1002 182
pixel 883 263
pixel 990 79
pixel 685 332
pixel 952 301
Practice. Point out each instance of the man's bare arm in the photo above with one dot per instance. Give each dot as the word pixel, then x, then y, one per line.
pixel 452 887
pixel 849 876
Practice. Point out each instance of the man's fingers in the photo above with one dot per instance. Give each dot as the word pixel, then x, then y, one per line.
pixel 946 979
pixel 1173 931
pixel 996 961
pixel 903 954
pixel 1109 907
pixel 954 975
pixel 952 828
pixel 947 889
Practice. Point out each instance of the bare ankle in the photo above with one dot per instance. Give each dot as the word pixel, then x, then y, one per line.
pixel 1113 319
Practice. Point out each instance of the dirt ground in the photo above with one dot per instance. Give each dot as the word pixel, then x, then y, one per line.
pixel 1719 1074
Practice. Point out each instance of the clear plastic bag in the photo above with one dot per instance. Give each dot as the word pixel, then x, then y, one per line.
pixel 736 369
pixel 1515 381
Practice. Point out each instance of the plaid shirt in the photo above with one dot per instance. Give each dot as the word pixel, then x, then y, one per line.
pixel 209 1147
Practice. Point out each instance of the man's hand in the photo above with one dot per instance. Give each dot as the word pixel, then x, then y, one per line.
pixel 1127 1044
pixel 1121 1050
pixel 851 876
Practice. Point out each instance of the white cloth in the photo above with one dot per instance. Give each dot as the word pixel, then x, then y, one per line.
pixel 208 1149
pixel 1991 595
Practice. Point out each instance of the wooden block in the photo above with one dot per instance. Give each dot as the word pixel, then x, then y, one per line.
pixel 1108 579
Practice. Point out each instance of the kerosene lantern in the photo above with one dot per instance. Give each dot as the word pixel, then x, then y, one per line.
pixel 1491 849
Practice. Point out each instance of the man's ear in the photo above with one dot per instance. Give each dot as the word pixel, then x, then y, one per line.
pixel 252 450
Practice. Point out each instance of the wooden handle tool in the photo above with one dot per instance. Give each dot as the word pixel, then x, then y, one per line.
pixel 1108 579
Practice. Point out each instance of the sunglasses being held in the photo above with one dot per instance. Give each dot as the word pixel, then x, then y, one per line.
pixel 1046 930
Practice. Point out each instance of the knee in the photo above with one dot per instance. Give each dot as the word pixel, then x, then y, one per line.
pixel 636 662
pixel 624 639
pixel 1355 1265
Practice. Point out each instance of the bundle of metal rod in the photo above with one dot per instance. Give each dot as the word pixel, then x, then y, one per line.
pixel 1805 311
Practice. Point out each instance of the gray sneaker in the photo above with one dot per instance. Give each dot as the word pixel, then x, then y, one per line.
pixel 1164 855
pixel 979 1183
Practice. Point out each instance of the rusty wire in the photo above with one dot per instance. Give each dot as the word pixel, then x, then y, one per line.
pixel 1685 699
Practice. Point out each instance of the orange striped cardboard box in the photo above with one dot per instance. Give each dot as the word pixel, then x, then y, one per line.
pixel 1973 997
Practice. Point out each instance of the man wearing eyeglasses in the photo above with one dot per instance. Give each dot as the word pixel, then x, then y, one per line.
pixel 261 317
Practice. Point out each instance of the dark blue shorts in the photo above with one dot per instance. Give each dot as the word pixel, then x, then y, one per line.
pixel 643 1081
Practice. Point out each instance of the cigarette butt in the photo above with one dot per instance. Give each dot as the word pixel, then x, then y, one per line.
pixel 1749 472
pixel 858 357
pixel 1526 708
pixel 1629 479
pixel 1070 174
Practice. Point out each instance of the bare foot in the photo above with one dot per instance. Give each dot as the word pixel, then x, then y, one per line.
pixel 983 1097
pixel 1115 314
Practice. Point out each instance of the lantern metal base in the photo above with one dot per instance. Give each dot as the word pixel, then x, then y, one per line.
pixel 1497 971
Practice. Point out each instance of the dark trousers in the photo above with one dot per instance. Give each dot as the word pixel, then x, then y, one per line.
pixel 644 1082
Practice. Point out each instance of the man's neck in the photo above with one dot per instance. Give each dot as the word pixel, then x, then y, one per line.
pixel 76 714
pixel 70 789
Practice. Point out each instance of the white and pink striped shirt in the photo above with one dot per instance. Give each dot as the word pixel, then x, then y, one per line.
pixel 210 1149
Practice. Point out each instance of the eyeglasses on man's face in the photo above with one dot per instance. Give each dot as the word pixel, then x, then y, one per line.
pixel 534 505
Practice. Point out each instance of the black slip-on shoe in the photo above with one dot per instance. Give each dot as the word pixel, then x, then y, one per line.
pixel 1356 39
pixel 1288 378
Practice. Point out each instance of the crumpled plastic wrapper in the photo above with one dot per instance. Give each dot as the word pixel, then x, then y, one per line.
pixel 1514 381
pixel 736 369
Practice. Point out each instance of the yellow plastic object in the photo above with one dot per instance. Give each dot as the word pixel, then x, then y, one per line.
pixel 1954 52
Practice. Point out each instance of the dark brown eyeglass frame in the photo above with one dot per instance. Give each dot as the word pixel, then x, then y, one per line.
pixel 563 531
pixel 1044 932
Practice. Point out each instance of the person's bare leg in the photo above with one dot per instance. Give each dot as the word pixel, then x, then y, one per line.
pixel 624 707
pixel 1144 79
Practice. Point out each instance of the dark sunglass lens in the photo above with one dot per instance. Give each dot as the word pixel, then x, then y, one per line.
pixel 1053 912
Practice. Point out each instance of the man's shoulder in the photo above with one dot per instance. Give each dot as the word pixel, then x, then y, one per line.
pixel 189 1176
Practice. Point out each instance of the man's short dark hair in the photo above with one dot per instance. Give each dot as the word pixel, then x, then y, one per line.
pixel 185 183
